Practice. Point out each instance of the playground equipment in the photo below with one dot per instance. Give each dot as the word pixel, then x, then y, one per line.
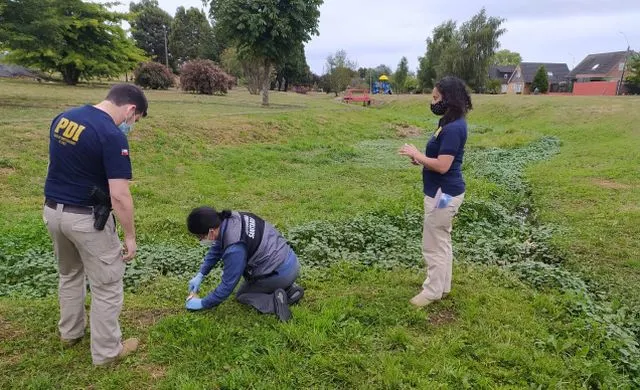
pixel 382 86
pixel 357 95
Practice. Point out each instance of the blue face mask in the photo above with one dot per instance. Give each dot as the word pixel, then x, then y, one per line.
pixel 125 127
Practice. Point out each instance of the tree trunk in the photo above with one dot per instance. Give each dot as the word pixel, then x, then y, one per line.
pixel 286 85
pixel 70 74
pixel 266 82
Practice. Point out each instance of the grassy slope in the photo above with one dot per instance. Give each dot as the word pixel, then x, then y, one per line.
pixel 283 162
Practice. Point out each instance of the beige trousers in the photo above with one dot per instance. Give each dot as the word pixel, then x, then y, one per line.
pixel 82 250
pixel 436 246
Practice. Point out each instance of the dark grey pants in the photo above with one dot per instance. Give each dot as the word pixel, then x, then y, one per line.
pixel 260 293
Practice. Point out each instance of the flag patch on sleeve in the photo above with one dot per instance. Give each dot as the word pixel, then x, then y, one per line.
pixel 124 152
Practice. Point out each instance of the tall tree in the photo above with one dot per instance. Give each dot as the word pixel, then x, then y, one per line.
pixel 443 36
pixel 400 76
pixel 465 52
pixel 76 38
pixel 479 38
pixel 541 80
pixel 506 57
pixel 266 31
pixel 293 69
pixel 150 28
pixel 230 62
pixel 192 36
pixel 340 71
pixel 633 70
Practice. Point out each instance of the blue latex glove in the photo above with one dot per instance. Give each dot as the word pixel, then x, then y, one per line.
pixel 194 304
pixel 194 284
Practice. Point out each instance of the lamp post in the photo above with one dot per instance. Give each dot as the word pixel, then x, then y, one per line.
pixel 624 66
pixel 166 51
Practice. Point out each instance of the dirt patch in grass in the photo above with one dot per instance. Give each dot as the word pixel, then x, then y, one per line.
pixel 404 130
pixel 610 184
pixel 147 317
pixel 6 171
pixel 442 317
pixel 155 371
pixel 8 331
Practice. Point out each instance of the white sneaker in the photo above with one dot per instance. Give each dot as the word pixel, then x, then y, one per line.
pixel 421 300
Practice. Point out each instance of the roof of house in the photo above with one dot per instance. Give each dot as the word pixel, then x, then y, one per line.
pixel 498 72
pixel 504 68
pixel 15 71
pixel 599 63
pixel 557 72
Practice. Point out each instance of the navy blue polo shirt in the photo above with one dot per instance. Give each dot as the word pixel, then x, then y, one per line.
pixel 86 148
pixel 447 140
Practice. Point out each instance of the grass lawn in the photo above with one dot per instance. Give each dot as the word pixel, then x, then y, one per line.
pixel 308 159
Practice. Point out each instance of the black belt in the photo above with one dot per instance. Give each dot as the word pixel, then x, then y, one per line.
pixel 68 208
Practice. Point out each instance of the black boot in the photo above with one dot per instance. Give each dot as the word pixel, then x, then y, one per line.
pixel 294 293
pixel 281 305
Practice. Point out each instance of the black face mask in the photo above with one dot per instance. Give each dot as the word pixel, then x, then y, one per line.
pixel 439 108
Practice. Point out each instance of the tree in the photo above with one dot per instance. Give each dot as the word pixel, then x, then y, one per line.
pixel 411 84
pixel 293 69
pixel 266 31
pixel 153 75
pixel 465 52
pixel 541 80
pixel 633 74
pixel 340 71
pixel 149 23
pixel 192 36
pixel 204 76
pixel 77 39
pixel 506 57
pixel 400 77
pixel 231 63
pixel 443 36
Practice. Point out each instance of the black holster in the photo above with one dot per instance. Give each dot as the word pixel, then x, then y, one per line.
pixel 101 208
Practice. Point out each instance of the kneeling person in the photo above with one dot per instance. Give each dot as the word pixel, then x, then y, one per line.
pixel 250 247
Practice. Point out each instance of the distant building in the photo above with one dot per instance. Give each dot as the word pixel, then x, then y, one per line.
pixel 600 73
pixel 501 73
pixel 522 77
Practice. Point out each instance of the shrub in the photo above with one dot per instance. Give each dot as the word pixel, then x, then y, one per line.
pixel 204 76
pixel 493 87
pixel 153 75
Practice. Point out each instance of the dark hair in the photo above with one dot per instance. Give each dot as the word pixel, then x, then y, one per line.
pixel 456 97
pixel 201 219
pixel 121 94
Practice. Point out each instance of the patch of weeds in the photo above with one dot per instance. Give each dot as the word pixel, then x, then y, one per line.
pixel 6 163
pixel 506 166
pixel 615 329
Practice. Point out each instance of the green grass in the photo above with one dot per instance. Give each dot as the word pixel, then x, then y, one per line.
pixel 354 330
pixel 306 159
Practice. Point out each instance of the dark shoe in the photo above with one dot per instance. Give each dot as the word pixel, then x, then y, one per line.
pixel 294 294
pixel 281 305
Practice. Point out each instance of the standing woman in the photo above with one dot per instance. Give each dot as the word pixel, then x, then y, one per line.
pixel 443 185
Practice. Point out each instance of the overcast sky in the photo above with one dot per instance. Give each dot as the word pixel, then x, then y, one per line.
pixel 375 32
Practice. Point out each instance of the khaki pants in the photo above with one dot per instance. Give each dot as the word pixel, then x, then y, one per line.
pixel 436 246
pixel 82 250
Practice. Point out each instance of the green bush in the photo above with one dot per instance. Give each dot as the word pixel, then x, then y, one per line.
pixel 541 80
pixel 205 77
pixel 153 75
pixel 493 86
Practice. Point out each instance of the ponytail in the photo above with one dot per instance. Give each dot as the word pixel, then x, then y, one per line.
pixel 224 214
